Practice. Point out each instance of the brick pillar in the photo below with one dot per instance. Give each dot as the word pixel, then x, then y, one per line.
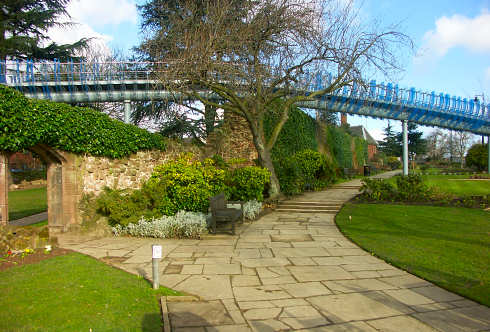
pixel 343 119
pixel 4 188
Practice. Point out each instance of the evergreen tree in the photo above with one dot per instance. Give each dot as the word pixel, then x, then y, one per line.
pixel 23 28
pixel 416 144
pixel 390 145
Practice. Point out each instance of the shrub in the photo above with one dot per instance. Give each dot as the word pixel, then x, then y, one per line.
pixel 27 122
pixel 189 183
pixel 247 183
pixel 305 170
pixel 377 190
pixel 121 206
pixel 394 163
pixel 182 225
pixel 477 157
pixel 411 188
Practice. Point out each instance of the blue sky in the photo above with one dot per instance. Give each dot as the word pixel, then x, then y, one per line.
pixel 452 40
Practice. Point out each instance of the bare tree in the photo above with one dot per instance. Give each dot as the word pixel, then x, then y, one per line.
pixel 463 140
pixel 256 57
pixel 436 145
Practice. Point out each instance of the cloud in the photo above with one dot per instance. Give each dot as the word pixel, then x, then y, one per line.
pixel 457 31
pixel 90 15
pixel 103 12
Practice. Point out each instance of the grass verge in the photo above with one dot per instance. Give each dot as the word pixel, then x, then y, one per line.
pixel 26 202
pixel 75 293
pixel 447 246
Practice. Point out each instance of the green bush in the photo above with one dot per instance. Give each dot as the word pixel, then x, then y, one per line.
pixel 411 188
pixel 121 206
pixel 189 184
pixel 28 122
pixel 305 170
pixel 394 163
pixel 29 175
pixel 377 190
pixel 247 183
pixel 477 157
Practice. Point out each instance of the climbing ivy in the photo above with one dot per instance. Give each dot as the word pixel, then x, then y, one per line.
pixel 27 122
pixel 297 134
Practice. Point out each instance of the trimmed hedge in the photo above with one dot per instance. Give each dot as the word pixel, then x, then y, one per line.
pixel 28 122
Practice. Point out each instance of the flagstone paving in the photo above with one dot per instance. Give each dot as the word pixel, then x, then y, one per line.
pixel 289 271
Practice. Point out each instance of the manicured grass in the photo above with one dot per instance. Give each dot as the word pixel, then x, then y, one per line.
pixel 75 293
pixel 38 224
pixel 459 185
pixel 445 245
pixel 26 202
pixel 456 185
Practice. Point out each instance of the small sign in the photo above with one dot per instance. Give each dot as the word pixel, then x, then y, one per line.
pixel 157 251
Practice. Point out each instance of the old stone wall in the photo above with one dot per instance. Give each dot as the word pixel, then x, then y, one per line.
pixel 232 140
pixel 125 173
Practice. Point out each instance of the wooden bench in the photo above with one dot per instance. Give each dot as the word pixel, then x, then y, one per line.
pixel 220 212
pixel 350 172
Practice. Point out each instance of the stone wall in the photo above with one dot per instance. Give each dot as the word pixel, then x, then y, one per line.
pixel 70 176
pixel 232 140
pixel 125 173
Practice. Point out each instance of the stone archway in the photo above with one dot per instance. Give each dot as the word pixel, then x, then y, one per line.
pixel 63 189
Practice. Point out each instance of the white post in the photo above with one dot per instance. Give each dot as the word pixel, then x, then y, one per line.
pixel 127 111
pixel 405 146
pixel 156 256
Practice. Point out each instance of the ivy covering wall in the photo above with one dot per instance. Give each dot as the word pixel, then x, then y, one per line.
pixel 300 133
pixel 27 122
pixel 297 134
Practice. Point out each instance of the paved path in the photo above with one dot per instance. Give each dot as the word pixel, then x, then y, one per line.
pixel 290 271
pixel 30 219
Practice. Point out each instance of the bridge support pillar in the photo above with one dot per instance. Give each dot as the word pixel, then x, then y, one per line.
pixel 488 146
pixel 405 146
pixel 127 111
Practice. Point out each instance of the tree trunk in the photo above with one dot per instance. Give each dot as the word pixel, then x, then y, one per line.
pixel 265 160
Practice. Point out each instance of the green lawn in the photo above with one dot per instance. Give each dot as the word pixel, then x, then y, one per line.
pixel 26 202
pixel 456 184
pixel 447 246
pixel 75 293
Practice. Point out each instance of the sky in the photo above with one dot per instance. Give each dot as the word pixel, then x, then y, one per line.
pixel 451 55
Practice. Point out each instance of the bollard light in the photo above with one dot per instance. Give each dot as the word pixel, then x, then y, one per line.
pixel 156 256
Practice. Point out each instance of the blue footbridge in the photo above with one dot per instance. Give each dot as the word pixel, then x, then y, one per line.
pixel 136 81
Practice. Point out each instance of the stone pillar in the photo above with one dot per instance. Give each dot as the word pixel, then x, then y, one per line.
pixel 4 188
pixel 55 197
pixel 405 146
pixel 488 159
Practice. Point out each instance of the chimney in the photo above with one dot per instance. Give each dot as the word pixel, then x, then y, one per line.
pixel 343 119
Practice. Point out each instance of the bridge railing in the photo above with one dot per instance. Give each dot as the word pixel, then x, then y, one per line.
pixel 18 73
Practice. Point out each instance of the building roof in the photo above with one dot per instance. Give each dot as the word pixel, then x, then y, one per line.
pixel 360 131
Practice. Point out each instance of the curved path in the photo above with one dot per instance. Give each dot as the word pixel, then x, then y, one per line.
pixel 290 271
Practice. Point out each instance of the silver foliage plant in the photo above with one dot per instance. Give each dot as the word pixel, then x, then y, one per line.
pixel 251 209
pixel 183 225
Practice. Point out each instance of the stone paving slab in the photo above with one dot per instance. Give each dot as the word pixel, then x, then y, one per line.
pixel 288 271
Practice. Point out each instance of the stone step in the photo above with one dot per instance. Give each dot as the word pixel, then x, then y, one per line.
pixel 309 207
pixel 345 187
pixel 325 203
pixel 332 211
